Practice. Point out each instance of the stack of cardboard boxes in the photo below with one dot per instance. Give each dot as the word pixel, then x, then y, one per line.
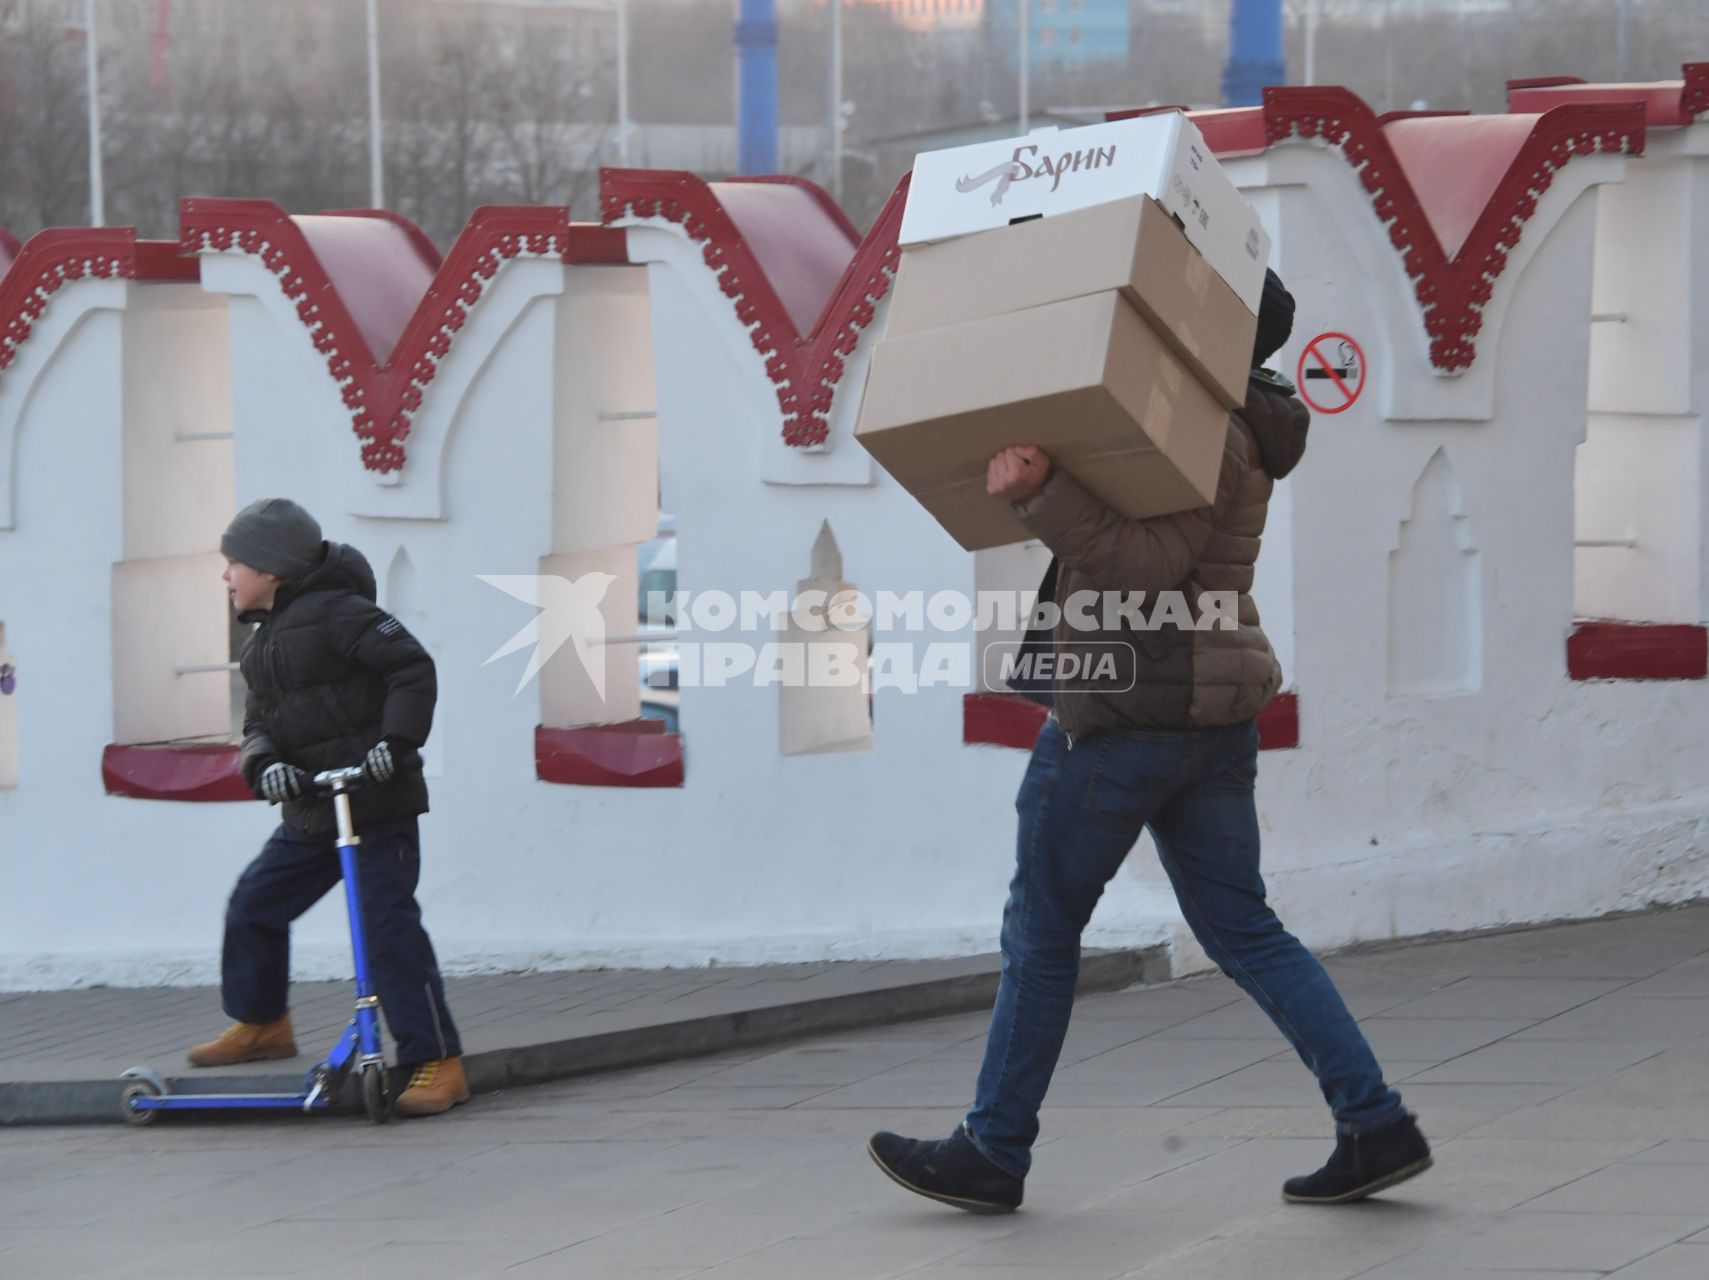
pixel 1092 292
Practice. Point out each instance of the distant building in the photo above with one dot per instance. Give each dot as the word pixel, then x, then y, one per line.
pixel 1375 12
pixel 1214 13
pixel 934 15
pixel 571 29
pixel 1063 32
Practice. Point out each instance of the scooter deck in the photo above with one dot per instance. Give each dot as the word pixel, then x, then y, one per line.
pixel 228 1101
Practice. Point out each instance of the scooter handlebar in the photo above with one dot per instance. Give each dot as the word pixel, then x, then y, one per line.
pixel 340 779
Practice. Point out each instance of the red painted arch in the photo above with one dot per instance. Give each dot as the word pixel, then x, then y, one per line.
pixel 1473 181
pixel 802 249
pixel 805 359
pixel 1454 231
pixel 383 391
pixel 49 260
pixel 1668 104
pixel 1233 131
pixel 418 239
pixel 1454 190
pixel 1228 131
pixel 1539 82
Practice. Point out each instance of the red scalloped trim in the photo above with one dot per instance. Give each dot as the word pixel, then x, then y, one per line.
pixel 50 260
pixel 382 398
pixel 194 773
pixel 805 368
pixel 1694 96
pixel 1451 294
pixel 1637 651
pixel 634 754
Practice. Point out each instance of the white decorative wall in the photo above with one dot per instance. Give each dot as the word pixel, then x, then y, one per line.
pixel 535 404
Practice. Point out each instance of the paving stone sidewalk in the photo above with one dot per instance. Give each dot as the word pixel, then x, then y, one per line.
pixel 1562 1074
pixel 61 1053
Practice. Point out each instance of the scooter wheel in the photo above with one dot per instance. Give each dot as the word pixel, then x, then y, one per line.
pixel 376 1093
pixel 138 1089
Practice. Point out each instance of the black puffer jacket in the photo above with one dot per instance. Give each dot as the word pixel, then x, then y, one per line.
pixel 330 673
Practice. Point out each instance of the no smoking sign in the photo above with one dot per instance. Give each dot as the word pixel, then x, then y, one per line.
pixel 1331 373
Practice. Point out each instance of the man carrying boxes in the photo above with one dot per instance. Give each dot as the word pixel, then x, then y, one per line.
pixel 1071 378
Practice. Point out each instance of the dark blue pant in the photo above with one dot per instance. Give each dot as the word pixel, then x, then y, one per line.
pixel 291 874
pixel 1081 810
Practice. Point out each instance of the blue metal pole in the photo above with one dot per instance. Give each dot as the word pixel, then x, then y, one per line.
pixel 367 1021
pixel 756 106
pixel 1254 52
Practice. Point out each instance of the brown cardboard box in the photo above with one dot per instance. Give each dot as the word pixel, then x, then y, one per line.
pixel 1087 380
pixel 1132 245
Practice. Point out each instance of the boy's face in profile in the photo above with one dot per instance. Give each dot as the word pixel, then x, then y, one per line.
pixel 248 588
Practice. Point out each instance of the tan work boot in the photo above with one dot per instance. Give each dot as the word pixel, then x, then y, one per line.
pixel 436 1086
pixel 247 1042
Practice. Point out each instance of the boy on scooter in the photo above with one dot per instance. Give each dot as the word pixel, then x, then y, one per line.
pixel 333 681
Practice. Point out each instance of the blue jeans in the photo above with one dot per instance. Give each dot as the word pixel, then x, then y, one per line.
pixel 293 872
pixel 1081 810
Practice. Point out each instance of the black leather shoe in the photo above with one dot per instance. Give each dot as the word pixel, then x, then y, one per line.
pixel 951 1171
pixel 1364 1163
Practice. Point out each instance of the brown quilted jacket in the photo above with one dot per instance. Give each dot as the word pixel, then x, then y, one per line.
pixel 1172 673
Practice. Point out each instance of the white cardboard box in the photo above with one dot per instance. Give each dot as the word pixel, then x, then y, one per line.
pixel 968 189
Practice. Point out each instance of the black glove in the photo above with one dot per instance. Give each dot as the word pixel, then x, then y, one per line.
pixel 385 762
pixel 281 782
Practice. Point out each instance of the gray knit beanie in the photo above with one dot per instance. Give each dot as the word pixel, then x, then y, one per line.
pixel 273 535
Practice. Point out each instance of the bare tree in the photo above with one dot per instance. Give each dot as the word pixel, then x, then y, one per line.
pixel 435 163
pixel 476 118
pixel 229 111
pixel 496 104
pixel 549 149
pixel 44 143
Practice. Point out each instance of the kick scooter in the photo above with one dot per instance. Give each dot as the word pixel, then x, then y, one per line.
pixel 147 1094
